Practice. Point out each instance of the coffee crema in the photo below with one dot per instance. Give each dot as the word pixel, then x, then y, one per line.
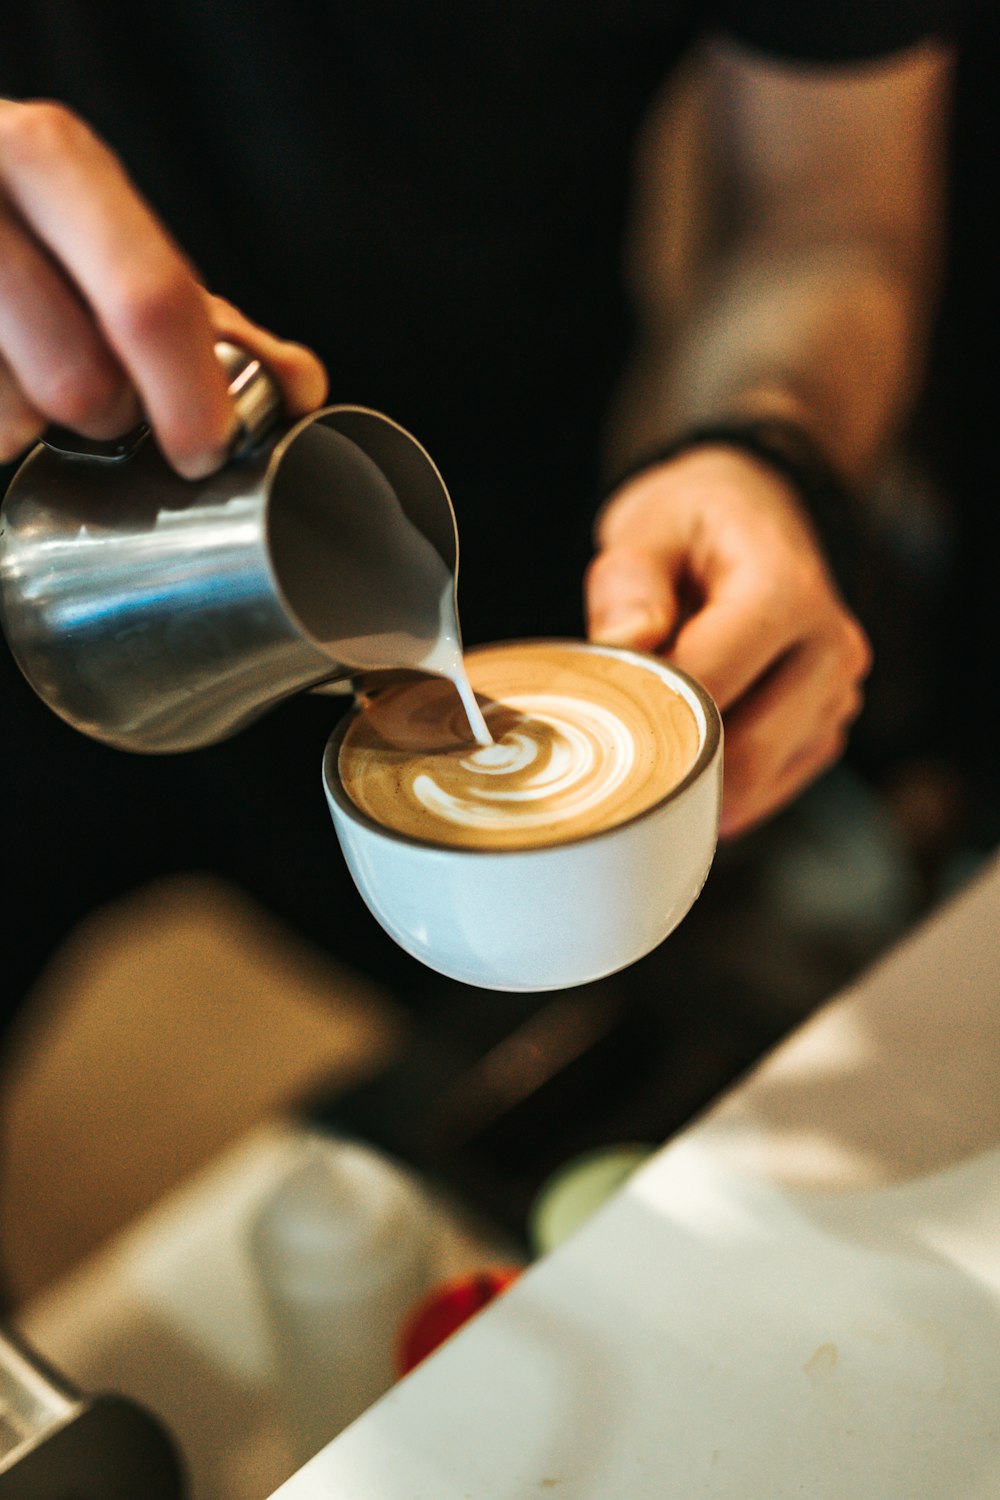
pixel 584 739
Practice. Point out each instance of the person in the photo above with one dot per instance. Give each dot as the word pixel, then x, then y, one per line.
pixel 434 199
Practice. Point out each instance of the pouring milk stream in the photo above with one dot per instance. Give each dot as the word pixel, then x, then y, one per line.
pixel 158 614
pixel 394 600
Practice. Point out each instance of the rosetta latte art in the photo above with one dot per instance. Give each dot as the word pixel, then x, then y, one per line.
pixel 583 739
pixel 563 760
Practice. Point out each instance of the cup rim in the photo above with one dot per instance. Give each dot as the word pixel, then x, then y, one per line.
pixel 703 760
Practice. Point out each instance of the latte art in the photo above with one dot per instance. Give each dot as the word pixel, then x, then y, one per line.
pixel 583 740
pixel 562 760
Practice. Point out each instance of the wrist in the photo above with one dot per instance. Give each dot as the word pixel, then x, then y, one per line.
pixel 828 499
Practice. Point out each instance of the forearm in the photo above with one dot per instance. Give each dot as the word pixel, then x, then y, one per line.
pixel 815 283
pixel 828 334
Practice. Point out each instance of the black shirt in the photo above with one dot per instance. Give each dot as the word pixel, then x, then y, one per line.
pixel 433 196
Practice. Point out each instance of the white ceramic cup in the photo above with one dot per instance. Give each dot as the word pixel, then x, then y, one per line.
pixel 547 918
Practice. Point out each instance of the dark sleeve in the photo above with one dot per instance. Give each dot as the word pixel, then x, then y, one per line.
pixel 835 30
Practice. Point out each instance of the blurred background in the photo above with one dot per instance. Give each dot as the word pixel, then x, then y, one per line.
pixel 204 996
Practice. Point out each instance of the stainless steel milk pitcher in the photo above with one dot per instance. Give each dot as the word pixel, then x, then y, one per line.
pixel 159 614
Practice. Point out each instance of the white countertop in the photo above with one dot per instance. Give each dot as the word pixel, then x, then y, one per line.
pixel 800 1296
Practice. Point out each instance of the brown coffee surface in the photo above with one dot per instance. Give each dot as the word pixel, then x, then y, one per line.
pixel 583 740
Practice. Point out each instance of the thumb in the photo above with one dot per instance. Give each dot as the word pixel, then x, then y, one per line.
pixel 630 598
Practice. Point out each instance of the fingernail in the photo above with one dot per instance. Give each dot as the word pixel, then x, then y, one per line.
pixel 201 465
pixel 623 627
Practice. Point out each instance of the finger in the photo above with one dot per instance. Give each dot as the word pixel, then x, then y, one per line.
pixel 299 373
pixel 736 637
pixel 20 423
pixel 631 598
pixel 77 199
pixel 741 814
pixel 51 345
pixel 820 677
pixel 773 734
pixel 758 760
